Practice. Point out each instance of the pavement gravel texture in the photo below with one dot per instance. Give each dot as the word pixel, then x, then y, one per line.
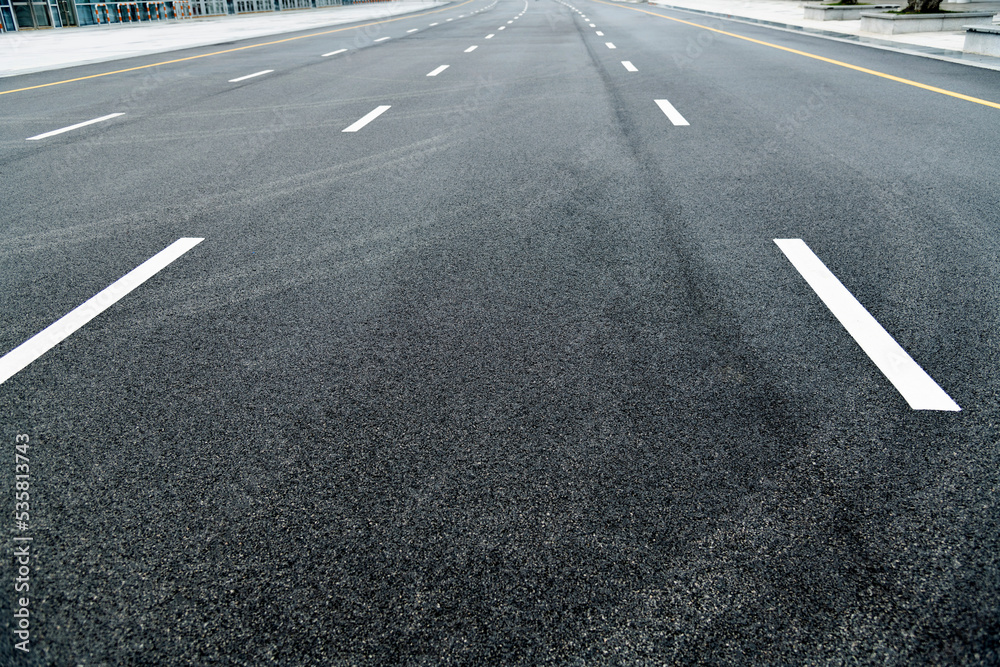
pixel 515 374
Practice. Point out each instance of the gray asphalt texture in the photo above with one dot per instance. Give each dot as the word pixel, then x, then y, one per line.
pixel 515 374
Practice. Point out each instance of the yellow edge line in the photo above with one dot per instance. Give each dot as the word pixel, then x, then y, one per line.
pixel 239 48
pixel 908 82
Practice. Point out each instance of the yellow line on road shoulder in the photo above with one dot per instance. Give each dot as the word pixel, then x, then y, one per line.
pixel 856 68
pixel 239 48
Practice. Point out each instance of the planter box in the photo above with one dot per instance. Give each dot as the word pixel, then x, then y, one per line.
pixel 897 24
pixel 843 12
pixel 982 39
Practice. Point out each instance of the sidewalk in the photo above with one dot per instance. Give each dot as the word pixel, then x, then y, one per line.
pixel 788 14
pixel 38 51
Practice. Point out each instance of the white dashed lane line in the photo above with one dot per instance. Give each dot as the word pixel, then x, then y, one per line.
pixel 367 118
pixel 629 66
pixel 333 53
pixel 250 76
pixel 501 27
pixel 73 127
pixel 382 39
pixel 412 30
pixel 919 390
pixel 434 24
pixel 610 45
pixel 490 36
pixel 600 34
pixel 437 71
pixel 472 48
pixel 25 353
pixel 675 117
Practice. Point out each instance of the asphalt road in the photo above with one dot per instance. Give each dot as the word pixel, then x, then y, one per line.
pixel 516 372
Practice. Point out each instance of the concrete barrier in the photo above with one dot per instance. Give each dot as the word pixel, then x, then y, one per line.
pixel 982 39
pixel 897 24
pixel 842 12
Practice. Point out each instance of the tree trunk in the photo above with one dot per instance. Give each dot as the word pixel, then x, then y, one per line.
pixel 923 6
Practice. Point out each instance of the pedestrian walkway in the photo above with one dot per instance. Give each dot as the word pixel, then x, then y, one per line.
pixel 790 14
pixel 39 51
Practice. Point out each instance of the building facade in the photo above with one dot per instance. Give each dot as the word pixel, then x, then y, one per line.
pixel 41 14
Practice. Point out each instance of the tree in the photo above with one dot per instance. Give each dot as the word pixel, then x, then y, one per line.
pixel 923 6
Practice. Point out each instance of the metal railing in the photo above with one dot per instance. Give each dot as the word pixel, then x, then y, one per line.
pixel 207 7
pixel 135 11
pixel 251 6
pixel 132 11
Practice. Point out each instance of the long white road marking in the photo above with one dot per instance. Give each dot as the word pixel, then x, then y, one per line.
pixel 367 118
pixel 382 39
pixel 673 114
pixel 600 34
pixel 916 386
pixel 472 48
pixel 28 351
pixel 629 66
pixel 490 36
pixel 610 45
pixel 438 70
pixel 250 76
pixel 73 127
pixel 333 53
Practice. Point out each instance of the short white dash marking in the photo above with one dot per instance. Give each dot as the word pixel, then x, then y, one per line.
pixel 629 66
pixel 490 36
pixel 675 117
pixel 472 48
pixel 449 20
pixel 610 45
pixel 250 76
pixel 73 127
pixel 600 34
pixel 367 118
pixel 437 71
pixel 592 25
pixel 64 327
pixel 412 30
pixel 382 39
pixel 434 24
pixel 916 386
pixel 501 27
pixel 333 53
